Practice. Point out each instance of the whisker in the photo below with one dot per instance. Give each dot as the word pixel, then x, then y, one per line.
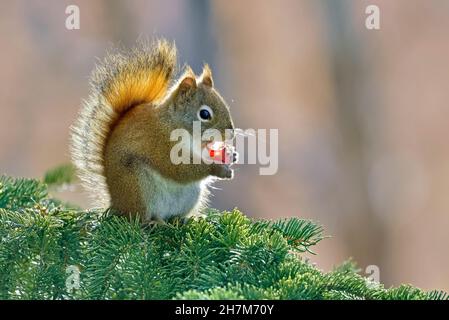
pixel 215 188
pixel 245 133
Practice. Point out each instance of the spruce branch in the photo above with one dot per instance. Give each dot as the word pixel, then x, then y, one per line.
pixel 224 255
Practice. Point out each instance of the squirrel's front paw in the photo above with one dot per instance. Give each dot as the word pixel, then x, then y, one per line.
pixel 222 171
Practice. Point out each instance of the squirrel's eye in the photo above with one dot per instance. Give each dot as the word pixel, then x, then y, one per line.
pixel 205 113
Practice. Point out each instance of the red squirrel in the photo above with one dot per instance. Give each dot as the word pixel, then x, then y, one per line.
pixel 121 139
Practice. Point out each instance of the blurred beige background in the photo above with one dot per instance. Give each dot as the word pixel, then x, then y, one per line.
pixel 363 116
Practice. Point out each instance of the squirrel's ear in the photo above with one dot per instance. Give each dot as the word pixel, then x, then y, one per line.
pixel 188 81
pixel 206 76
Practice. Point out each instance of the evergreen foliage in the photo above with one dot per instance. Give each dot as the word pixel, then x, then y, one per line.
pixel 44 244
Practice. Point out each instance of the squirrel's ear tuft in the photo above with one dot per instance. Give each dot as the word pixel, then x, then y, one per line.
pixel 206 76
pixel 188 80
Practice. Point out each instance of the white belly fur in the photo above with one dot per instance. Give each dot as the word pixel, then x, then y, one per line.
pixel 166 198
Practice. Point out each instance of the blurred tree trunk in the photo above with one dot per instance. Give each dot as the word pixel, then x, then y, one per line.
pixel 364 230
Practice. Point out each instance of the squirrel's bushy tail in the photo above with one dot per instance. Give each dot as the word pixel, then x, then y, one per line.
pixel 121 81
